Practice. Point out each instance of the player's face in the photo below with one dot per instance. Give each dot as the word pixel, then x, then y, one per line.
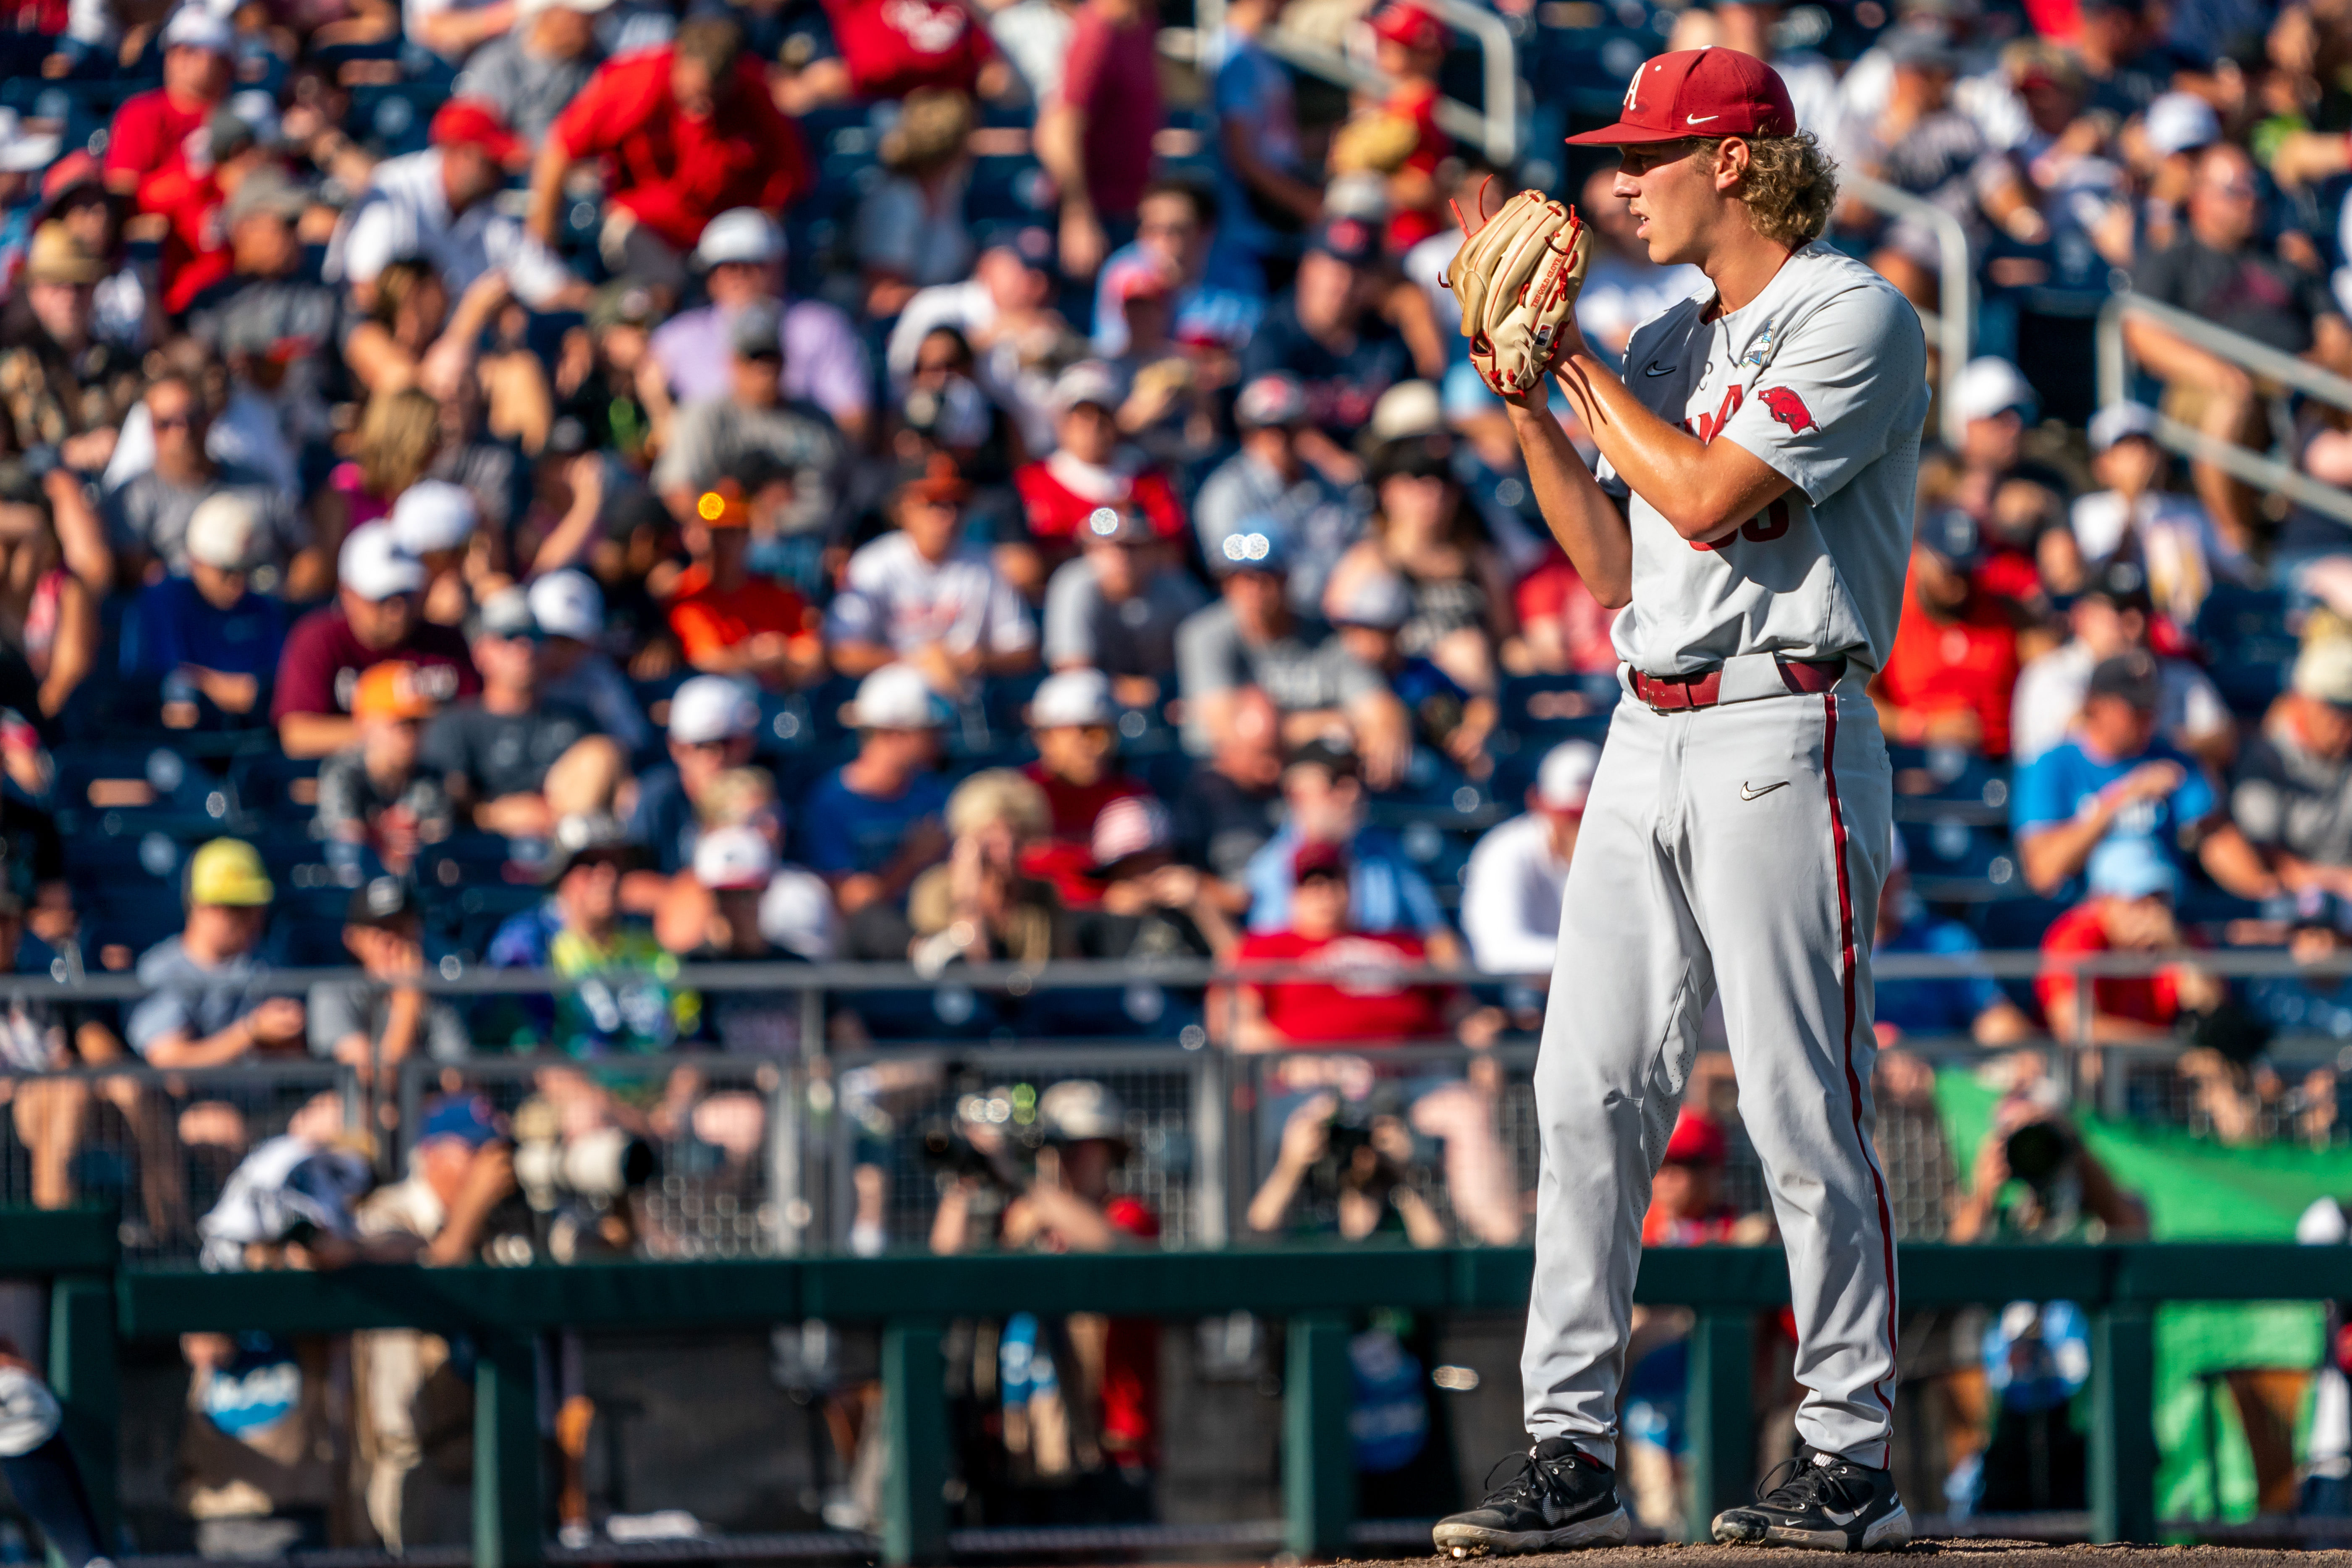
pixel 1670 190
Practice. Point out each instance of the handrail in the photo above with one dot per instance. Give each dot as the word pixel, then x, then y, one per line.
pixel 2239 462
pixel 1495 127
pixel 1953 326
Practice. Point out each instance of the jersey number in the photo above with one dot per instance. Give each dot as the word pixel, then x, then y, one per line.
pixel 1763 529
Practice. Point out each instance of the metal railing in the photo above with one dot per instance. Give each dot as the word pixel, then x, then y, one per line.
pixel 2273 472
pixel 1951 327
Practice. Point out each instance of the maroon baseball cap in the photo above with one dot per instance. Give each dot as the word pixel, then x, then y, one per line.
pixel 1699 92
pixel 1314 859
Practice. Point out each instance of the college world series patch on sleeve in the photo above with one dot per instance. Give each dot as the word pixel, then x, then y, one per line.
pixel 1787 408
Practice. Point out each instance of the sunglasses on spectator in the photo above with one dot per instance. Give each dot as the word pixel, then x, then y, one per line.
pixel 174 421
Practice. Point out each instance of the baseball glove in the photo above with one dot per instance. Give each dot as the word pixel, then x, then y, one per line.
pixel 1517 278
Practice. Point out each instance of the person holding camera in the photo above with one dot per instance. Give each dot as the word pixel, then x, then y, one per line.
pixel 1357 1160
pixel 2035 1180
pixel 1082 1415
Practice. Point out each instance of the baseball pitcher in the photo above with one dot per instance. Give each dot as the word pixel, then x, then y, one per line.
pixel 1752 507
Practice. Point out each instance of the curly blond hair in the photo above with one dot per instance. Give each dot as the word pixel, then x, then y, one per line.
pixel 1790 187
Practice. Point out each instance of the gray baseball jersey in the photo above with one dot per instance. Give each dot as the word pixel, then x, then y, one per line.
pixel 1824 376
pixel 1738 851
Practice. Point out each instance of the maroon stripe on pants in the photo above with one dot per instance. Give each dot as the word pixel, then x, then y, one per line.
pixel 1854 1083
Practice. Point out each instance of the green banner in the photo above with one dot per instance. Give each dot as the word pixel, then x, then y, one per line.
pixel 2196 1189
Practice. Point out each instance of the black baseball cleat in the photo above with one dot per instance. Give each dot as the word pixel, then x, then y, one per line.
pixel 1561 1497
pixel 1828 1503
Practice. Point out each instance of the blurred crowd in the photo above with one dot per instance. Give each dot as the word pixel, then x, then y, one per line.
pixel 602 486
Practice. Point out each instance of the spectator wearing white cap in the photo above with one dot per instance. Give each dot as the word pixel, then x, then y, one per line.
pixel 922 596
pixel 1372 612
pixel 2016 503
pixel 2138 518
pixel 1512 889
pixel 1115 608
pixel 150 128
pixel 510 757
pixel 1271 476
pixel 1143 904
pixel 573 665
pixel 436 520
pixel 713 723
pixel 2292 792
pixel 872 825
pixel 375 617
pixel 1090 466
pixel 741 257
pixel 1073 718
pixel 208 636
pixel 539 64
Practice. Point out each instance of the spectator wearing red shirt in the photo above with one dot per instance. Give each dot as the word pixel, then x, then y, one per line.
pixel 687 133
pixel 1687 1207
pixel 1565 628
pixel 892 47
pixel 1361 1003
pixel 2133 886
pixel 193 194
pixel 1072 719
pixel 375 617
pixel 1089 469
pixel 729 621
pixel 151 128
pixel 1399 137
pixel 1095 137
pixel 1950 674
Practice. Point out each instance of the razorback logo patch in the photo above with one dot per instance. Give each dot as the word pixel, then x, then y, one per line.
pixel 1787 408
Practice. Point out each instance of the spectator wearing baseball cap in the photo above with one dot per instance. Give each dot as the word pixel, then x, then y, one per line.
pixel 1181 228
pixel 1073 720
pixel 2133 889
pixel 147 515
pixel 1326 332
pixel 1398 140
pixel 513 761
pixel 713 439
pixel 2292 792
pixel 689 131
pixel 574 667
pixel 208 637
pixel 922 596
pixel 1090 466
pixel 529 72
pixel 1144 904
pixel 2111 617
pixel 714 724
pixel 1949 677
pixel 2167 533
pixel 374 795
pixel 729 621
pixel 1325 806
pixel 1373 612
pixel 423 205
pixel 436 520
pixel 1512 889
pixel 872 825
pixel 1252 637
pixel 373 619
pixel 379 1021
pixel 1117 606
pixel 741 259
pixel 209 1001
pixel 1271 476
pixel 150 128
pixel 2113 780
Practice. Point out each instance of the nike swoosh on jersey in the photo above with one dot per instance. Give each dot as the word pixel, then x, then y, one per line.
pixel 1751 792
pixel 1655 368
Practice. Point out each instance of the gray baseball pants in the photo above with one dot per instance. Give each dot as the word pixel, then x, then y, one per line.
pixel 1735 850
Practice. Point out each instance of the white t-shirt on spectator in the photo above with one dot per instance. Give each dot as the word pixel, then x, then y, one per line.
pixel 2178 545
pixel 895 596
pixel 2050 692
pixel 405 212
pixel 1511 898
pixel 1036 37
